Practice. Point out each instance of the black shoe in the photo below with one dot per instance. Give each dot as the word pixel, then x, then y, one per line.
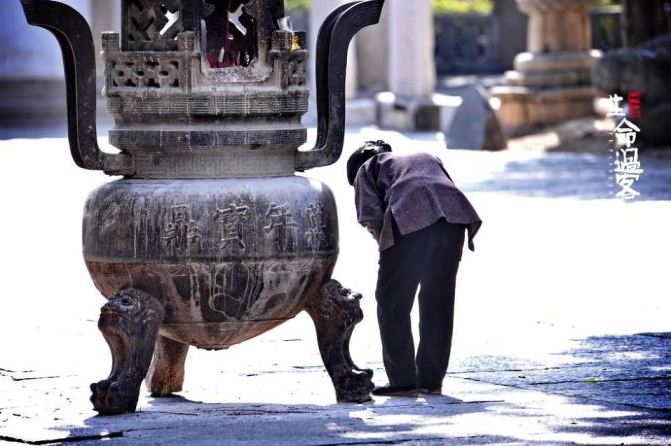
pixel 395 391
pixel 430 391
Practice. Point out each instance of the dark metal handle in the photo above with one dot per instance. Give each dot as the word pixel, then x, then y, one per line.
pixel 335 35
pixel 76 42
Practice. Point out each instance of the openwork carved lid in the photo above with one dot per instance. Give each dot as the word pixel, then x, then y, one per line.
pixel 204 88
pixel 152 24
pixel 229 33
pixel 173 46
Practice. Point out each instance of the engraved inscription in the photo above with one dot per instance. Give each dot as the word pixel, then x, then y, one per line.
pixel 280 227
pixel 193 237
pixel 181 233
pixel 232 219
pixel 315 237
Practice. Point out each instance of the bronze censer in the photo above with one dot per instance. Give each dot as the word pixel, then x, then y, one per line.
pixel 208 239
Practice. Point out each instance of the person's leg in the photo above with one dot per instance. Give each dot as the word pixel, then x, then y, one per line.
pixel 436 305
pixel 398 277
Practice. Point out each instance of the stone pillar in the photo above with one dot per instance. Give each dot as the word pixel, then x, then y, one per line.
pixel 409 105
pixel 551 82
pixel 319 10
pixel 412 69
pixel 372 51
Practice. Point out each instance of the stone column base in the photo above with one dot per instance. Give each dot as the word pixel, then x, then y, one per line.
pixel 524 109
pixel 409 113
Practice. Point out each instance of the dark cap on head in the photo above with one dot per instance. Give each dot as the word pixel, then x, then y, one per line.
pixel 363 154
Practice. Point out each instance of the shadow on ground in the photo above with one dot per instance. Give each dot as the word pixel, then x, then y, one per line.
pixel 605 389
pixel 177 420
pixel 631 370
pixel 582 176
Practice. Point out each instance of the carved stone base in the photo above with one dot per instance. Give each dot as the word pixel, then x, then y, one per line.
pixel 166 372
pixel 524 110
pixel 129 322
pixel 335 312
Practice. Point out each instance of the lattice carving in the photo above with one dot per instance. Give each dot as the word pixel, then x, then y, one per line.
pixel 145 73
pixel 146 23
pixel 297 71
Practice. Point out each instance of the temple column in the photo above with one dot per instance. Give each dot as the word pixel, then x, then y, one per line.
pixel 372 50
pixel 412 70
pixel 319 10
pixel 551 82
pixel 409 105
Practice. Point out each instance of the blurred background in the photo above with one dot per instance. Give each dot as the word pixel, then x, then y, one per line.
pixel 423 66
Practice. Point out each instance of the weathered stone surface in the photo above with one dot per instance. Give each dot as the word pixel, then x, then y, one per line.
pixel 166 372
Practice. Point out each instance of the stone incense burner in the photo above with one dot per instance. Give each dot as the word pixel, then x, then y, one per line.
pixel 209 239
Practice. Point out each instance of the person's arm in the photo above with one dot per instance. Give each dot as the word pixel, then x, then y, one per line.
pixel 370 206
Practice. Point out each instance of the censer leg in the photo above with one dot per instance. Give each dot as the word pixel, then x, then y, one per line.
pixel 166 372
pixel 335 311
pixel 129 321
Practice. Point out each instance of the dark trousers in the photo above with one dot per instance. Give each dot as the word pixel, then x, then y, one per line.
pixel 428 258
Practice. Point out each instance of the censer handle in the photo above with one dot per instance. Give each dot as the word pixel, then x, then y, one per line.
pixel 76 42
pixel 333 41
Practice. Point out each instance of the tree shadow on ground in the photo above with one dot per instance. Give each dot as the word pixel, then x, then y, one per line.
pixel 622 382
pixel 582 176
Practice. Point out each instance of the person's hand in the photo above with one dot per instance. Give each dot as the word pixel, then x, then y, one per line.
pixel 372 231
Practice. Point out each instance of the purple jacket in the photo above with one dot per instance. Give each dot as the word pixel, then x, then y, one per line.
pixel 415 190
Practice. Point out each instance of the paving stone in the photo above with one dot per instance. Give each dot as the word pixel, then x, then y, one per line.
pixel 556 289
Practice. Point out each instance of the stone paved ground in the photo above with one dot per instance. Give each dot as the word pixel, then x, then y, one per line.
pixel 562 325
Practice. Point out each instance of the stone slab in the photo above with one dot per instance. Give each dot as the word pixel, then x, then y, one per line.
pixel 473 124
